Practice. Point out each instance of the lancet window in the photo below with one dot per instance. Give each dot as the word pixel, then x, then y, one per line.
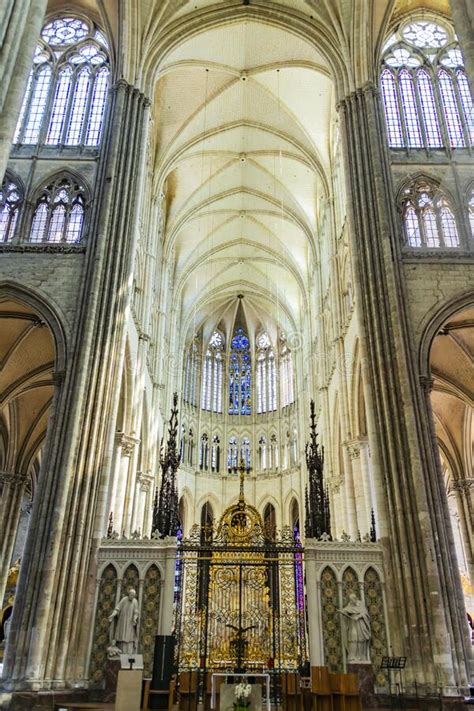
pixel 67 89
pixel 212 371
pixel 245 453
pixel 425 89
pixel 204 452
pixel 266 375
pixel 232 453
pixel 240 401
pixel 287 393
pixel 262 453
pixel 428 219
pixel 215 454
pixel 11 198
pixel 470 209
pixel 59 212
pixel 191 374
pixel 273 452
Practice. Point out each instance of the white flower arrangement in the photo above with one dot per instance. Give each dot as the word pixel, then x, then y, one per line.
pixel 242 692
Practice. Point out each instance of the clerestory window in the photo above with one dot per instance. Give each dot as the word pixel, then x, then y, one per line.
pixel 425 89
pixel 59 212
pixel 66 93
pixel 11 198
pixel 428 218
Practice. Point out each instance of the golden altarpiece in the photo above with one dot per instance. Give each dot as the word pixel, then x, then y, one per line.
pixel 241 599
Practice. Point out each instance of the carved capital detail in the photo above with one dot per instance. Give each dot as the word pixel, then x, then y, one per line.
pixel 127 442
pixel 463 485
pixel 13 478
pixel 353 448
pixel 426 383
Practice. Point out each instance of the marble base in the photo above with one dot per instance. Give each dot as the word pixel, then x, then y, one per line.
pixel 112 669
pixel 365 674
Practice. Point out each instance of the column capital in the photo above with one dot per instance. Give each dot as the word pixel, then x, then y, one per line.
pixel 11 478
pixel 462 485
pixel 427 383
pixel 353 448
pixel 127 442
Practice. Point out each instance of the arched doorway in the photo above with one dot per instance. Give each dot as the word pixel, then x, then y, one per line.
pixel 29 355
pixel 451 361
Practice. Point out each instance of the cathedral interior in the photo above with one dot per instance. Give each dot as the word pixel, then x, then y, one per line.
pixel 237 348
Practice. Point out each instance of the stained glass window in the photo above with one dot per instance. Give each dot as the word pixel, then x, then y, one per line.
pixel 204 452
pixel 59 213
pixel 212 372
pixel 215 454
pixel 240 401
pixel 422 59
pixel 10 204
pixel 262 452
pixel 470 207
pixel 287 394
pixel 66 94
pixel 191 374
pixel 392 111
pixel 273 452
pixel 428 108
pixel 266 375
pixel 428 219
pixel 245 452
pixel 232 454
pixel 451 111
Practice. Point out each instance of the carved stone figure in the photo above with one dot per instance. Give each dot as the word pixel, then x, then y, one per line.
pixel 124 632
pixel 356 632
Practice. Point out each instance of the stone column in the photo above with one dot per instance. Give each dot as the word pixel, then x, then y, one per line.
pixel 10 510
pixel 362 503
pixel 462 491
pixel 366 476
pixel 51 624
pixel 315 633
pixel 424 591
pixel 463 18
pixel 123 490
pixel 20 24
pixel 165 623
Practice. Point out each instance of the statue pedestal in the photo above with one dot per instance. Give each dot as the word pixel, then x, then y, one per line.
pixel 112 669
pixel 366 677
pixel 129 690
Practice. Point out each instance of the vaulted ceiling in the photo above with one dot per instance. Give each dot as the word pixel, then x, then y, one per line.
pixel 244 116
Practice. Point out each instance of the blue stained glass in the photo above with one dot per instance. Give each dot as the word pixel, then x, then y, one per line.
pixel 240 402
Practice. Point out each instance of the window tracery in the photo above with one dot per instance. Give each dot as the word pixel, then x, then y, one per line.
pixel 232 453
pixel 470 209
pixel 212 371
pixel 262 453
pixel 287 393
pixel 240 401
pixel 66 94
pixel 11 198
pixel 59 212
pixel 215 454
pixel 266 375
pixel 428 219
pixel 191 374
pixel 425 89
pixel 204 452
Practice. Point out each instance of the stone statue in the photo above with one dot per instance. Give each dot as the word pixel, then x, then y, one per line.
pixel 356 632
pixel 124 633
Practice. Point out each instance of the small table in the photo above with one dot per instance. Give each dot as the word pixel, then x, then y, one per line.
pixel 240 676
